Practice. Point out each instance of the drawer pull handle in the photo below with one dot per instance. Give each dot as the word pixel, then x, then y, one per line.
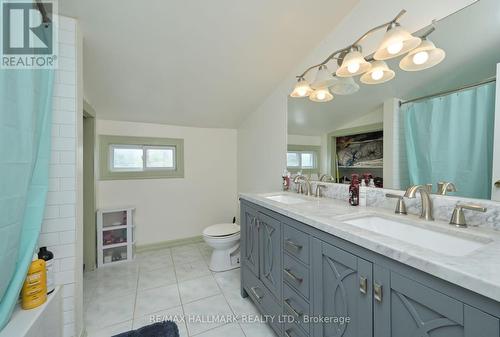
pixel 256 294
pixel 289 273
pixel 378 292
pixel 293 245
pixel 291 309
pixel 363 285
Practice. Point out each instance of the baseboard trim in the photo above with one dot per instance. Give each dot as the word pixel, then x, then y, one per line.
pixel 168 244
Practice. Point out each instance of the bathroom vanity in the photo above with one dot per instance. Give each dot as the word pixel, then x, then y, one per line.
pixel 310 263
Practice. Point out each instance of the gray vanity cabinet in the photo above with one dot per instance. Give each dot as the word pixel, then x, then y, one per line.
pixel 250 239
pixel 261 262
pixel 290 267
pixel 342 289
pixel 405 307
pixel 270 254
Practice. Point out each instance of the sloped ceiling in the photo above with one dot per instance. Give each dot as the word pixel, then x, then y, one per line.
pixel 194 63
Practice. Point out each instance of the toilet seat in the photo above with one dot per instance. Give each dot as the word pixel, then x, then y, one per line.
pixel 222 230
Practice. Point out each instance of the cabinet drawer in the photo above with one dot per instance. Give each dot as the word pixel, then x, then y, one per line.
pixel 296 275
pixel 296 243
pixel 292 330
pixel 262 298
pixel 296 306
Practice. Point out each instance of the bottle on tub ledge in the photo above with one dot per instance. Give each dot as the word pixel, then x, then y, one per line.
pixel 354 190
pixel 48 257
pixel 34 291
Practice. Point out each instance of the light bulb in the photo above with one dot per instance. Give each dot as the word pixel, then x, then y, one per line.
pixel 321 95
pixel 395 47
pixel 421 57
pixel 377 74
pixel 353 67
pixel 302 92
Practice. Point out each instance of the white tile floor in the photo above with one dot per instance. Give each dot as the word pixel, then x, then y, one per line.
pixel 172 282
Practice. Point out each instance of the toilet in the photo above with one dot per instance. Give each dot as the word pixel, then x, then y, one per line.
pixel 225 240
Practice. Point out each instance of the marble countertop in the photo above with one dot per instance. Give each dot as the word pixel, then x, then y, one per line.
pixel 478 271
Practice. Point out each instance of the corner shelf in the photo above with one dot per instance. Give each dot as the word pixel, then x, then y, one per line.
pixel 115 236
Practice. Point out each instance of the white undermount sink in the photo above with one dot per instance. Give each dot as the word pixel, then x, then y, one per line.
pixel 286 199
pixel 440 242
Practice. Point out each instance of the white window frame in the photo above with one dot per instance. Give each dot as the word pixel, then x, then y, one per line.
pixel 153 147
pixel 300 167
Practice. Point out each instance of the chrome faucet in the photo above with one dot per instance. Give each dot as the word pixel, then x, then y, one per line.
pixel 426 200
pixel 298 180
pixel 444 187
pixel 458 217
pixel 326 177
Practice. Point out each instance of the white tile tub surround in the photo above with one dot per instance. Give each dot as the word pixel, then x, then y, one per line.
pixel 442 205
pixel 59 225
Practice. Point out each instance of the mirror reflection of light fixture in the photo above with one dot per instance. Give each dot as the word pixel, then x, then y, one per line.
pixel 396 42
pixel 301 89
pixel 379 73
pixel 323 78
pixel 344 86
pixel 353 63
pixel 321 95
pixel 425 56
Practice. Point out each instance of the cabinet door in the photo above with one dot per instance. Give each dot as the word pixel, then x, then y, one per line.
pixel 408 308
pixel 250 239
pixel 342 289
pixel 270 254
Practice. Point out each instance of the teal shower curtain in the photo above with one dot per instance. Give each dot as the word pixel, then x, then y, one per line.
pixel 450 138
pixel 25 132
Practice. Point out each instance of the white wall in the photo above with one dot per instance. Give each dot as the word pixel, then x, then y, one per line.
pixel 59 227
pixel 304 140
pixel 372 117
pixel 262 134
pixel 171 209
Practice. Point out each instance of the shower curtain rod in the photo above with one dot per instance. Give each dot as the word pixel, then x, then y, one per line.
pixel 442 93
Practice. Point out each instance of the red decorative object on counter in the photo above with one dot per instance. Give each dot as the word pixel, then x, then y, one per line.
pixel 354 190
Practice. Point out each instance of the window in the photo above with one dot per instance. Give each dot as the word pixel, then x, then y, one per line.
pixel 302 158
pixel 133 158
pixel 140 158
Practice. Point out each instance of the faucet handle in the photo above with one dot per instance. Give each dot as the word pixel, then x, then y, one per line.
pixel 400 206
pixel 458 217
pixel 318 190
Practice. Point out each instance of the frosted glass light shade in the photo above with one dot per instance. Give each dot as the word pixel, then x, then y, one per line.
pixel 425 56
pixel 301 89
pixel 396 42
pixel 353 64
pixel 321 95
pixel 323 78
pixel 344 86
pixel 379 73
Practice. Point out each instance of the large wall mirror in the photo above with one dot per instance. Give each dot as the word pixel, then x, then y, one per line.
pixel 432 126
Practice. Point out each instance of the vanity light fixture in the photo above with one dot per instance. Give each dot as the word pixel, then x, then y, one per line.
pixel 422 54
pixel 396 42
pixel 379 73
pixel 321 95
pixel 323 78
pixel 353 63
pixel 301 89
pixel 425 56
pixel 344 86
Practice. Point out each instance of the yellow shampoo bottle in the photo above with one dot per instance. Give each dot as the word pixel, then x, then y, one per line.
pixel 34 292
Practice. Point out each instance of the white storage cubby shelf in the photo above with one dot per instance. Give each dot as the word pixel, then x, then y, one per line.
pixel 115 236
